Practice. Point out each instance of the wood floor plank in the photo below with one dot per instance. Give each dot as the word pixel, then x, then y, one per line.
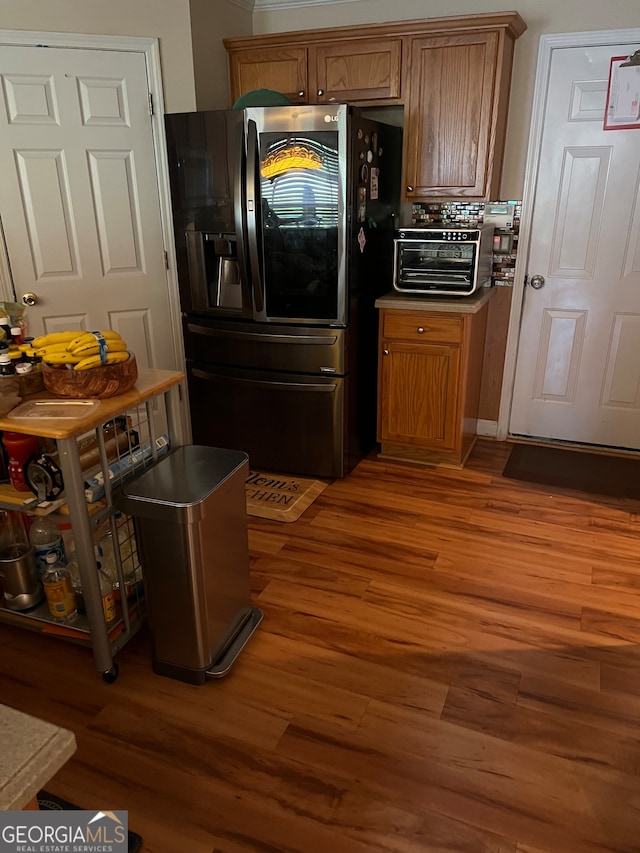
pixel 449 661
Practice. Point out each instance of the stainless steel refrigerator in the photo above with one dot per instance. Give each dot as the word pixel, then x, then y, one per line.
pixel 284 220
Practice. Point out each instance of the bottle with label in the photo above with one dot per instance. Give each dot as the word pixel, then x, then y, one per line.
pixel 108 598
pixel 47 541
pixel 17 335
pixel 56 581
pixel 6 365
pixel 23 364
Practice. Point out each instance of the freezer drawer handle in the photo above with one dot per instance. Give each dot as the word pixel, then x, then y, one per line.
pixel 263 338
pixel 329 388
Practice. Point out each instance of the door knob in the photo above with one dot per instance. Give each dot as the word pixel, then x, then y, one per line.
pixel 30 299
pixel 536 281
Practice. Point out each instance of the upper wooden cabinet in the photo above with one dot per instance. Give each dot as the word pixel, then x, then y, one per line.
pixel 452 148
pixel 338 71
pixel 362 69
pixel 452 75
pixel 282 69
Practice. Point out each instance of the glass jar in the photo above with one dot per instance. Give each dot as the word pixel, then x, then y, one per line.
pixel 19 448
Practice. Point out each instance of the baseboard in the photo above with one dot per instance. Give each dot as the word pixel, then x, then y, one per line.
pixel 488 428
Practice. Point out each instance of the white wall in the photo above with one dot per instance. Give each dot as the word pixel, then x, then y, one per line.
pixel 211 21
pixel 167 20
pixel 541 16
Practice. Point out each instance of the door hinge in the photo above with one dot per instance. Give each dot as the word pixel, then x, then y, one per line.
pixel 150 104
pixel 166 260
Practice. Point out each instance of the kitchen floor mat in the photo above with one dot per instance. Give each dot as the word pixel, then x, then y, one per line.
pixel 599 474
pixel 49 802
pixel 280 497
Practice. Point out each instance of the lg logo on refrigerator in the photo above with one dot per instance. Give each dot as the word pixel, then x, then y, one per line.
pixel 329 118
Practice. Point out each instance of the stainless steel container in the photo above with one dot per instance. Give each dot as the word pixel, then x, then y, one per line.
pixel 19 578
pixel 191 527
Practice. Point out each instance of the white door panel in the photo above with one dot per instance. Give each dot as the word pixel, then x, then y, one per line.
pixel 578 362
pixel 79 194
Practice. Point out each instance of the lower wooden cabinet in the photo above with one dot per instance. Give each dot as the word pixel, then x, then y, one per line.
pixel 429 376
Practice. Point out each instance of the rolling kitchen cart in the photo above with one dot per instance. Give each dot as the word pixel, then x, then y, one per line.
pixel 97 446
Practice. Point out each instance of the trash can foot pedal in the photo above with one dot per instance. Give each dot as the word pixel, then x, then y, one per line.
pixel 223 664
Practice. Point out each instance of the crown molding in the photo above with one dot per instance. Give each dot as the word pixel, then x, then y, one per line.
pixel 266 5
pixel 244 4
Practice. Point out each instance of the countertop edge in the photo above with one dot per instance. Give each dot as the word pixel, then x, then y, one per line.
pixel 32 768
pixel 460 305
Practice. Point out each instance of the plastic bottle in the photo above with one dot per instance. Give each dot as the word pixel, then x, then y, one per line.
pixel 56 581
pixel 47 543
pixel 66 531
pixel 76 583
pixel 106 593
pixel 68 542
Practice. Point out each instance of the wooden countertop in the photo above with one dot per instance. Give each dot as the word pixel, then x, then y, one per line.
pixel 445 304
pixel 32 752
pixel 149 383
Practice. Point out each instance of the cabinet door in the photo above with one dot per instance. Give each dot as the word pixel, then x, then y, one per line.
pixel 419 394
pixel 282 69
pixel 358 70
pixel 450 120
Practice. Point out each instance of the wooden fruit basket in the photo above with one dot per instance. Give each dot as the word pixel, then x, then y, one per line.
pixel 96 382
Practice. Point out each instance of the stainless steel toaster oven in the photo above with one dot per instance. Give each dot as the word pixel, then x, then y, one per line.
pixel 442 260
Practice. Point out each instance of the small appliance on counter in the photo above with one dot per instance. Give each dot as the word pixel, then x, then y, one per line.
pixel 443 260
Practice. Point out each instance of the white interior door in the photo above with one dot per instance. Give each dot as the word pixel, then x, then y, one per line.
pixel 578 362
pixel 79 196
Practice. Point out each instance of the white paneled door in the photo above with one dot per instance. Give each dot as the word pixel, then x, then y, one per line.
pixel 578 363
pixel 79 195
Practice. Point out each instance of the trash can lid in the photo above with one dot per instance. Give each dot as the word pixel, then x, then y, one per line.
pixel 184 478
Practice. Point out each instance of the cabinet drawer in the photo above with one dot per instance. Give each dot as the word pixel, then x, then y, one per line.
pixel 406 326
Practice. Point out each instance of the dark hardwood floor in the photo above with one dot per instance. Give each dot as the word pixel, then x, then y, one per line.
pixel 449 661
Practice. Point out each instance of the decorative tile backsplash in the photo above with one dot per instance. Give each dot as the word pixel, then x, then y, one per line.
pixel 472 214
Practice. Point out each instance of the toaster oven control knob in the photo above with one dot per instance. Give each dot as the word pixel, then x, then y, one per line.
pixel 536 281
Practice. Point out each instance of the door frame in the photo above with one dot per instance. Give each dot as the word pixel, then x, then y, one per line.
pixel 149 47
pixel 548 43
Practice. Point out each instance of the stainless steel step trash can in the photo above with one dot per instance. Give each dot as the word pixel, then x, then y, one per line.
pixel 190 518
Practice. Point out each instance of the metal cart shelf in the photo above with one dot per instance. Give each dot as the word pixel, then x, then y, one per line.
pixel 155 411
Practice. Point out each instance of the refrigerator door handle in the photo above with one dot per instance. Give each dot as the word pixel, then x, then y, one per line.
pixel 325 388
pixel 238 145
pixel 253 214
pixel 262 337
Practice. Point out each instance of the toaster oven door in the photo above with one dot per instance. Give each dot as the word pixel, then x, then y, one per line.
pixel 432 266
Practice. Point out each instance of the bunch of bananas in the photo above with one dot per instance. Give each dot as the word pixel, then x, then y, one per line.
pixel 81 350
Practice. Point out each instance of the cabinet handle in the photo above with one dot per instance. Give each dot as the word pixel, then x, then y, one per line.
pixel 420 330
pixel 385 352
pixel 409 189
pixel 320 92
pixel 301 94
